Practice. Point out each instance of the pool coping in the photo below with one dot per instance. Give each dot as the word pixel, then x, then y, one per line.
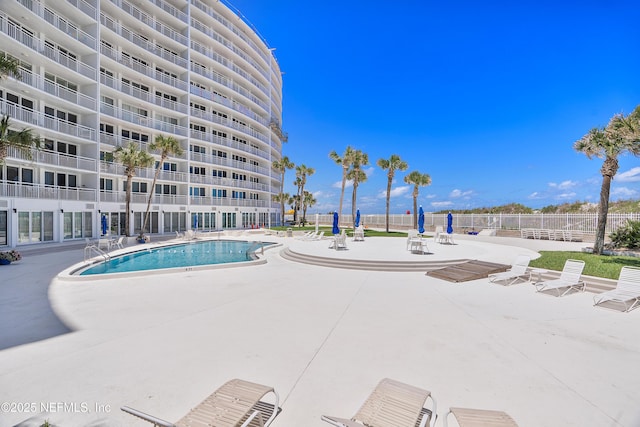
pixel 68 274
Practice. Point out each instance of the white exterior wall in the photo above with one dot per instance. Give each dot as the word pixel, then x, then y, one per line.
pixel 98 74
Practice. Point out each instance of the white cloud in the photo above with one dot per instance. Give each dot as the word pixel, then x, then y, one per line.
pixel 338 184
pixel 535 195
pixel 624 192
pixel 441 204
pixel 632 175
pixel 565 196
pixel 459 193
pixel 395 192
pixel 564 185
pixel 399 191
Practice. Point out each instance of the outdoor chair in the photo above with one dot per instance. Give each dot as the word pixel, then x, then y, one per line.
pixel 569 280
pixel 626 293
pixel 411 234
pixel 518 272
pixel 119 244
pixel 480 418
pixel 391 404
pixel 236 404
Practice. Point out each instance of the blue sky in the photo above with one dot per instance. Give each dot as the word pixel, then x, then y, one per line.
pixel 486 97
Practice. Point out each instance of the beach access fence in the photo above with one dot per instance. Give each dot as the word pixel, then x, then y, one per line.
pixel 586 223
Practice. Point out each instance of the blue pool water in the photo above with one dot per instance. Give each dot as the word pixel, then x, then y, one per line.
pixel 182 255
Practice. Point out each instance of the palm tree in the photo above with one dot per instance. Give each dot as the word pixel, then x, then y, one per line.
pixel 307 201
pixel 9 65
pixel 22 140
pixel 131 158
pixel 282 198
pixel 345 161
pixel 167 145
pixel 302 172
pixel 281 166
pixel 621 135
pixel 356 175
pixel 417 179
pixel 391 164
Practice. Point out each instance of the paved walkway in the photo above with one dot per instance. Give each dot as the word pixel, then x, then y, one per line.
pixel 323 337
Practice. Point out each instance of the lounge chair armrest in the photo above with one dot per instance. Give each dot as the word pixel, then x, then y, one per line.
pixel 340 422
pixel 156 421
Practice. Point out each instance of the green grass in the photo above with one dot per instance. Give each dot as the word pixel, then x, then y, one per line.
pixel 595 265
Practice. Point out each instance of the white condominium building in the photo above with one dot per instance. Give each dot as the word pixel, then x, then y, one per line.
pixel 99 74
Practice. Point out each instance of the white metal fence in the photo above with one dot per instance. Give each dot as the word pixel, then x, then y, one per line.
pixel 586 223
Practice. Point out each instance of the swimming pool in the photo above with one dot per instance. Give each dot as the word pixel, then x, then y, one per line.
pixel 182 255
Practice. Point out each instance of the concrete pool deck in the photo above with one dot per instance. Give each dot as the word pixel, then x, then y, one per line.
pixel 323 337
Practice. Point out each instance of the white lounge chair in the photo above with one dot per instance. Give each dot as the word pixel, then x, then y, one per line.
pixel 626 293
pixel 118 244
pixel 569 280
pixel 480 418
pixel 391 404
pixel 305 235
pixel 237 403
pixel 319 236
pixel 518 272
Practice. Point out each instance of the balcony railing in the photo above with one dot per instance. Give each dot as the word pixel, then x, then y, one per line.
pixel 85 7
pixel 142 198
pixel 52 88
pixel 38 191
pixel 37 118
pixel 142 42
pixel 55 159
pixel 60 23
pixel 143 69
pixel 151 22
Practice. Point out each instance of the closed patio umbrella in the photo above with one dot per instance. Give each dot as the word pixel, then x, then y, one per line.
pixel 420 220
pixel 336 229
pixel 103 223
pixel 449 223
pixel 357 223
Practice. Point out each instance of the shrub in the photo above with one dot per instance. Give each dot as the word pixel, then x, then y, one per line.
pixel 627 236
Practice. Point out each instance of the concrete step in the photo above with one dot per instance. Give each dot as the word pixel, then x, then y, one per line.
pixel 372 265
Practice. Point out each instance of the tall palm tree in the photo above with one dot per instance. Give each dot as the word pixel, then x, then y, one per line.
pixel 295 199
pixel 9 65
pixel 282 198
pixel 168 146
pixel 356 175
pixel 621 135
pixel 307 201
pixel 22 140
pixel 281 166
pixel 418 180
pixel 131 157
pixel 302 172
pixel 344 161
pixel 391 164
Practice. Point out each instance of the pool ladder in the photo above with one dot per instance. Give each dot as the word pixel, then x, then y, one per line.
pixel 89 249
pixel 255 246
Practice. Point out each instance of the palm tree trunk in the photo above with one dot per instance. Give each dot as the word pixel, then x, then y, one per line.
pixel 282 197
pixel 598 245
pixel 415 211
pixel 344 183
pixel 388 200
pixel 127 217
pixel 153 187
pixel 353 203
